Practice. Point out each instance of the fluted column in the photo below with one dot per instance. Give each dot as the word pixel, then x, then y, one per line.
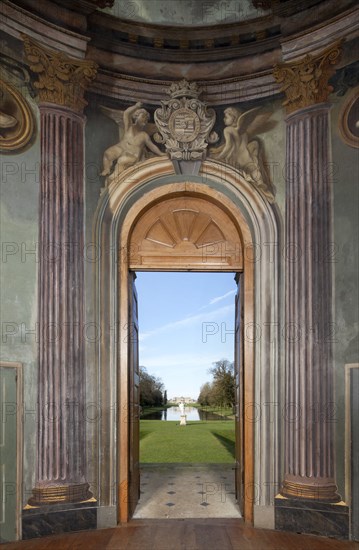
pixel 60 474
pixel 309 421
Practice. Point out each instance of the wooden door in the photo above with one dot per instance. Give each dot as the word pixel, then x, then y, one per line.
pixel 134 398
pixel 238 371
pixel 188 233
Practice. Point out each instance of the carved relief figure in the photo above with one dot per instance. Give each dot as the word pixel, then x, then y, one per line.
pixel 134 139
pixel 243 152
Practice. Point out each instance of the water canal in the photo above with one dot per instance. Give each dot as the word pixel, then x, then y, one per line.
pixel 173 413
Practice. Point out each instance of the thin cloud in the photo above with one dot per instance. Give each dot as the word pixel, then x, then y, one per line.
pixel 219 298
pixel 191 319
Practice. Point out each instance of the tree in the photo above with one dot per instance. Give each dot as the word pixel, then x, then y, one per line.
pixel 223 383
pixel 165 398
pixel 221 391
pixel 204 397
pixel 151 389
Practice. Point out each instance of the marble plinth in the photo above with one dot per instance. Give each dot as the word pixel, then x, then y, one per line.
pixel 57 519
pixel 312 517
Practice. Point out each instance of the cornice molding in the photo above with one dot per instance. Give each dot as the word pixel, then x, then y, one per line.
pixel 321 35
pixel 17 21
pixel 177 40
pixel 305 82
pixel 150 91
pixel 231 72
pixel 61 79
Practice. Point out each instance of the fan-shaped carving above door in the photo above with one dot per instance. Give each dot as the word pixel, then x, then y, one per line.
pixel 185 233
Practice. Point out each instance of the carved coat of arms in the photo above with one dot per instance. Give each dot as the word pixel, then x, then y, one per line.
pixel 185 123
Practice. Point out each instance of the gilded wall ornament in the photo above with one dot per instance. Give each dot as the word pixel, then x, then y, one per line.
pixel 17 124
pixel 243 152
pixel 349 119
pixel 305 82
pixel 185 123
pixel 61 80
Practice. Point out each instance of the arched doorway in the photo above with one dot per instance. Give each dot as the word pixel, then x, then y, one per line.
pixel 137 219
pixel 181 228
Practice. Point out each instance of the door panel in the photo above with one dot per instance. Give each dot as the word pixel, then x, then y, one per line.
pixel 134 398
pixel 238 371
pixel 354 415
pixel 8 454
pixel 187 232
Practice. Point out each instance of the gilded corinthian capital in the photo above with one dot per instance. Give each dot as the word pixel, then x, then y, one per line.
pixel 62 80
pixel 305 82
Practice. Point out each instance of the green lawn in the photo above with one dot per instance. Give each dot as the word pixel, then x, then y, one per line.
pixel 208 442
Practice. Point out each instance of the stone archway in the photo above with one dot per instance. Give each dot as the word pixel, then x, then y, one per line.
pixel 120 206
pixel 199 229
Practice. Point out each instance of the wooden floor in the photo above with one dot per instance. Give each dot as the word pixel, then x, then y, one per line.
pixel 188 534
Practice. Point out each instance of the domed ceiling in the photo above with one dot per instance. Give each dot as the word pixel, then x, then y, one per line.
pixel 187 12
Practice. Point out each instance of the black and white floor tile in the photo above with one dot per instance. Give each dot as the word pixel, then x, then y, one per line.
pixel 187 491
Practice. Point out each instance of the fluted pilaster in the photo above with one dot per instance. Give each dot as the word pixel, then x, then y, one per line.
pixel 309 455
pixel 310 409
pixel 61 457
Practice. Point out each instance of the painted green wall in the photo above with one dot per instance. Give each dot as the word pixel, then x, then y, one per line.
pixel 345 238
pixel 19 190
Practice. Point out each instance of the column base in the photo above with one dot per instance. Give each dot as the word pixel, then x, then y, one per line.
pixel 304 487
pixel 56 493
pixel 60 518
pixel 312 517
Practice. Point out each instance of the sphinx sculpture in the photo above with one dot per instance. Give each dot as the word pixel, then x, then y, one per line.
pixel 243 152
pixel 135 130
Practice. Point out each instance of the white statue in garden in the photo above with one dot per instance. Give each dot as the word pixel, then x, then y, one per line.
pixel 183 415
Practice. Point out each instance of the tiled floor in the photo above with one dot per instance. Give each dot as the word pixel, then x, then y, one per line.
pixel 187 491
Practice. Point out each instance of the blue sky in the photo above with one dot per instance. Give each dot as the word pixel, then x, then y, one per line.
pixel 186 323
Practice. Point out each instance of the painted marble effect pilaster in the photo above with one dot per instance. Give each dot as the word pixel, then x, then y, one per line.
pixel 61 421
pixel 310 408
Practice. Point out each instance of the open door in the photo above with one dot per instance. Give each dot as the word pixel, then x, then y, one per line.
pixel 134 398
pixel 239 394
